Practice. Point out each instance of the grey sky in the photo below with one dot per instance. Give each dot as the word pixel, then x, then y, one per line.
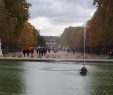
pixel 52 16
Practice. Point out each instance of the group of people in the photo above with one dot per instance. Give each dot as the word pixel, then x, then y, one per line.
pixel 28 52
pixel 39 50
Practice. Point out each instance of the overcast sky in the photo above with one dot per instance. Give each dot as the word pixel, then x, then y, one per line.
pixel 52 16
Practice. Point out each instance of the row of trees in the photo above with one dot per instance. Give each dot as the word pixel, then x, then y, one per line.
pixel 15 30
pixel 100 27
pixel 72 38
pixel 99 30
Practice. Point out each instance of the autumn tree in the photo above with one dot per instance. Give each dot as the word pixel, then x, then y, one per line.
pixel 105 7
pixel 13 15
pixel 100 30
pixel 18 10
pixel 27 37
pixel 95 31
pixel 72 37
pixel 7 26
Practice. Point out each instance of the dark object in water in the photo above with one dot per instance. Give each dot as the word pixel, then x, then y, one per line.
pixel 83 71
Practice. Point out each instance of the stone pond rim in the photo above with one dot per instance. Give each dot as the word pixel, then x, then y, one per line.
pixel 58 60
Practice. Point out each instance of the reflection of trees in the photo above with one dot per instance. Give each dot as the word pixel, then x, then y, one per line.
pixel 102 80
pixel 11 81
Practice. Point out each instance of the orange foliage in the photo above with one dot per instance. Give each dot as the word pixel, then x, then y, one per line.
pixel 26 38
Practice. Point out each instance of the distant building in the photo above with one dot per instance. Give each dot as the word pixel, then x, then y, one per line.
pixel 51 41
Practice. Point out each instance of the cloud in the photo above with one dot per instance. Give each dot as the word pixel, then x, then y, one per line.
pixel 48 28
pixel 60 13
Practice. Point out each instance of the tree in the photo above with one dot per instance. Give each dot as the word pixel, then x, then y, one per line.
pixel 105 7
pixel 40 39
pixel 72 37
pixel 95 31
pixel 13 15
pixel 100 32
pixel 18 10
pixel 28 36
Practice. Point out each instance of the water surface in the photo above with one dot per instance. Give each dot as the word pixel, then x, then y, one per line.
pixel 42 78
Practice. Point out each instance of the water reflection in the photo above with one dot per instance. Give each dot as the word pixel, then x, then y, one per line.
pixel 11 79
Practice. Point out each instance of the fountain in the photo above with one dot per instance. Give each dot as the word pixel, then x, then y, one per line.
pixel 1 55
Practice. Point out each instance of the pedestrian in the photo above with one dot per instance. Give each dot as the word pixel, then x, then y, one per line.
pixel 27 52
pixel 24 52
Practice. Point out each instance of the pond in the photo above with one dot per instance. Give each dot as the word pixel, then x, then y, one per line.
pixel 58 78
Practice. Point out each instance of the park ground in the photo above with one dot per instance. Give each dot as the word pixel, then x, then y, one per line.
pixel 59 55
